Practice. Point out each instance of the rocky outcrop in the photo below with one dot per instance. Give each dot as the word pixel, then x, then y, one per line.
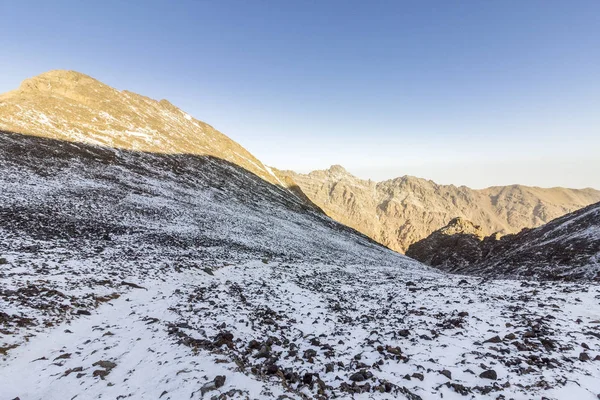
pixel 404 210
pixel 458 243
pixel 565 248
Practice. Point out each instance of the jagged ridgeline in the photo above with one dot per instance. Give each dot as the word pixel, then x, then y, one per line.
pixel 402 211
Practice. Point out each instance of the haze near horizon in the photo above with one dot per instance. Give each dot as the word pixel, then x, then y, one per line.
pixel 458 92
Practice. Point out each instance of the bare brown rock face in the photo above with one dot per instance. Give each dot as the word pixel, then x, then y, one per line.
pixel 404 210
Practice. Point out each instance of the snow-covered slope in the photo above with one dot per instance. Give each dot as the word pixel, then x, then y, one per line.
pixel 565 248
pixel 137 275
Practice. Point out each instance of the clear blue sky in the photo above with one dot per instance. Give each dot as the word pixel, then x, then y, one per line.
pixel 466 92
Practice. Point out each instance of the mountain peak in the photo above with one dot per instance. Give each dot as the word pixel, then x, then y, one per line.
pixel 62 74
pixel 400 211
pixel 71 106
pixel 337 169
pixel 57 79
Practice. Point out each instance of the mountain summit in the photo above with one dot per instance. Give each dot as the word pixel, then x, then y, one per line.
pixel 71 106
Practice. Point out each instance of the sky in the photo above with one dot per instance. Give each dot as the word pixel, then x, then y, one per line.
pixel 475 93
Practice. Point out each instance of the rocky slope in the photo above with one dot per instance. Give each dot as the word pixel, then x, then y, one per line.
pixel 565 248
pixel 401 211
pixel 129 274
pixel 142 275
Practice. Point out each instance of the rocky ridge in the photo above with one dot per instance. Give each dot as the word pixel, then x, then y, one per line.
pixel 565 248
pixel 71 106
pixel 402 211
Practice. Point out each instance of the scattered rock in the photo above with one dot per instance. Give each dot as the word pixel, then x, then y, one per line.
pixel 495 339
pixel 63 356
pixel 215 384
pixel 418 376
pixel 133 285
pixel 446 373
pixel 489 374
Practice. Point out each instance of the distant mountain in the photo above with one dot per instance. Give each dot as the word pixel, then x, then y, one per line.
pixel 565 248
pixel 402 211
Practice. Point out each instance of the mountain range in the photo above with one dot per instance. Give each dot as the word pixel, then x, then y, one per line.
pixel 71 106
pixel 146 255
pixel 402 211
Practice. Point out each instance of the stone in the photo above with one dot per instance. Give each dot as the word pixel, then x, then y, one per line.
pixel 495 339
pixel 446 373
pixel 489 374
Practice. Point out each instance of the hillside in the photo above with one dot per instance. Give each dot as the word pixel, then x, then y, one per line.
pixel 71 106
pixel 147 275
pixel 174 275
pixel 404 210
pixel 565 248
